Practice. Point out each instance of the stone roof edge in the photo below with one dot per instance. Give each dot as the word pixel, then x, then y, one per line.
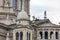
pixel 55 26
pixel 3 13
pixel 23 26
pixel 5 26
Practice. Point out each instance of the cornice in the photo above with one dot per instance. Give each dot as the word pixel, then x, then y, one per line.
pixel 23 20
pixel 56 26
pixel 23 26
pixel 2 34
pixel 5 7
pixel 5 13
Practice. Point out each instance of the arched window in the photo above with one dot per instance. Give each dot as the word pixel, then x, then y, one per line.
pixel 21 35
pixel 17 36
pixel 56 35
pixel 51 35
pixel 40 35
pixel 28 36
pixel 14 4
pixel 46 35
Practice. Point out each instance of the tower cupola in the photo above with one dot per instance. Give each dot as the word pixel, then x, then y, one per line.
pixel 23 16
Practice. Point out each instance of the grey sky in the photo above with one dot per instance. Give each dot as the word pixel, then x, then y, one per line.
pixel 51 6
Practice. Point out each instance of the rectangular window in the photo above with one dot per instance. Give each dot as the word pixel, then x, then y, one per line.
pixel 14 4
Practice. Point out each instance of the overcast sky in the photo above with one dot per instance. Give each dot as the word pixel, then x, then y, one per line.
pixel 37 8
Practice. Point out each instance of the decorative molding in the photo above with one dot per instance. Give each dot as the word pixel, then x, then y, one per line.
pixel 5 13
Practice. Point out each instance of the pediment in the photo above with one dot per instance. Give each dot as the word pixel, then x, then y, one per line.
pixel 45 23
pixel 42 21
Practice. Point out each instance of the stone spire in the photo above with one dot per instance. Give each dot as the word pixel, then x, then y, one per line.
pixel 45 15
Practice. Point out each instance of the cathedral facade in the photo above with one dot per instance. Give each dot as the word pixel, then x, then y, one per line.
pixel 15 23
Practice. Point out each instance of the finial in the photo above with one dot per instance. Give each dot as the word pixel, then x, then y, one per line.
pixel 33 18
pixel 45 14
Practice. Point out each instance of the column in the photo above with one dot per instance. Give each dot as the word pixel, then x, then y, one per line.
pixel 54 35
pixel 14 35
pixel 24 35
pixel 38 35
pixel 31 36
pixel 19 35
pixel 22 5
pixel 43 35
pixel 7 37
pixel 11 2
pixel 19 5
pixel 49 34
pixel 59 35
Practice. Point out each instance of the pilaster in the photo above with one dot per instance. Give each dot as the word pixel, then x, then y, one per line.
pixel 49 34
pixel 43 35
pixel 11 2
pixel 38 36
pixel 18 5
pixel 59 35
pixel 7 37
pixel 54 35
pixel 14 37
pixel 19 35
pixel 24 35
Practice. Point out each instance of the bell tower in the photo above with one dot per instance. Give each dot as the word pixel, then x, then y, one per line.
pixel 17 4
pixel 23 15
pixel 23 29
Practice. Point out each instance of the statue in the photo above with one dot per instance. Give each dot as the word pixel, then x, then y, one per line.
pixel 6 3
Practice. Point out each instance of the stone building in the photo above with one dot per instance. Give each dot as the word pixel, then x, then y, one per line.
pixel 15 23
